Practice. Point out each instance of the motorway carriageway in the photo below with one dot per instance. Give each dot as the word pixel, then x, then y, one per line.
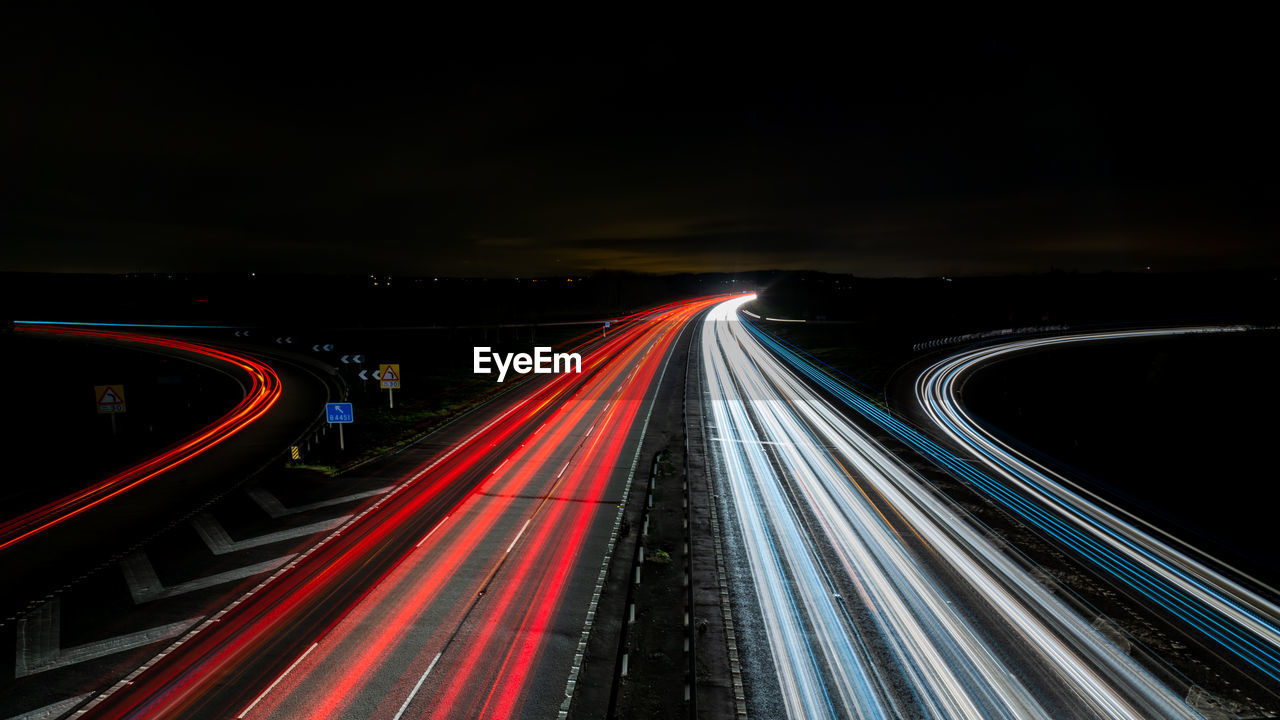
pixel 878 599
pixel 262 393
pixel 1193 589
pixel 462 592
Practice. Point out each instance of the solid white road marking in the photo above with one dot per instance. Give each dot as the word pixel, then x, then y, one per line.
pixel 52 710
pixel 220 543
pixel 433 530
pixel 272 686
pixel 273 507
pixel 517 537
pixel 417 687
pixel 39 640
pixel 145 585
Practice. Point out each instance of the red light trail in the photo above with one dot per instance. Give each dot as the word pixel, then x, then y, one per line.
pixel 466 562
pixel 263 392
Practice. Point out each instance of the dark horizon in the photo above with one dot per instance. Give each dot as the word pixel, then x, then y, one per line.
pixel 916 307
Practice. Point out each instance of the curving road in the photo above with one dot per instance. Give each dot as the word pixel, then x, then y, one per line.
pixel 1194 590
pixel 262 392
pixel 49 547
pixel 876 596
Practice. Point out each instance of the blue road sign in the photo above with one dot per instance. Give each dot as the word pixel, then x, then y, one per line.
pixel 339 412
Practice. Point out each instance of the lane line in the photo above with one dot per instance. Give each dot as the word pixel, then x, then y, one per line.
pixel 414 692
pixel 272 686
pixel 433 530
pixel 517 537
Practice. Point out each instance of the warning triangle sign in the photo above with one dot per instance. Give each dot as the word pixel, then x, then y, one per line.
pixel 109 397
pixel 389 374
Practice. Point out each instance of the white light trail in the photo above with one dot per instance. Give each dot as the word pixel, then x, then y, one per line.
pixel 778 435
pixel 1174 575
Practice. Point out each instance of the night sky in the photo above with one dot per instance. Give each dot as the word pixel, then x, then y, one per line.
pixel 417 145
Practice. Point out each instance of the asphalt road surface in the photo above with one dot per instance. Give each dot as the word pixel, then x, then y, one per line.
pixel 877 597
pixel 1212 603
pixel 461 592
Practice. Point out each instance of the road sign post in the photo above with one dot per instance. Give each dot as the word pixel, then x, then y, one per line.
pixel 110 402
pixel 339 414
pixel 389 380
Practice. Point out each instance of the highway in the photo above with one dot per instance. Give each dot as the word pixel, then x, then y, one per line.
pixel 878 597
pixel 461 592
pixel 1204 597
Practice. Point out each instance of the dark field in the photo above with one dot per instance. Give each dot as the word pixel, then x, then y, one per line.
pixel 1180 431
pixel 54 438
